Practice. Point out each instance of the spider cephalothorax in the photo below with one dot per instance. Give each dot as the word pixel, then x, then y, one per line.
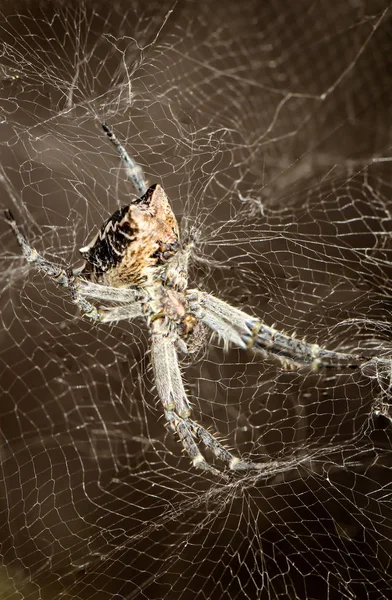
pixel 137 264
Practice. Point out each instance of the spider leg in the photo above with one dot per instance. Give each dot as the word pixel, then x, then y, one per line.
pixel 237 327
pixel 132 298
pixel 104 292
pixel 133 171
pixel 120 313
pixel 63 277
pixel 31 255
pixel 177 408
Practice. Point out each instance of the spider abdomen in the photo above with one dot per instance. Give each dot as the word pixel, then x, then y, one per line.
pixel 134 242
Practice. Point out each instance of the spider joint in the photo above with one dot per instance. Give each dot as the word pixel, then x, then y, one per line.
pixel 95 314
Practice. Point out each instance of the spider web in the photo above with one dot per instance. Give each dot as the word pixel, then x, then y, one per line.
pixel 268 124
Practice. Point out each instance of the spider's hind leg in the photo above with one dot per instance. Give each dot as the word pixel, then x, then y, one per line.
pixel 183 428
pixel 217 448
pixel 177 408
pixel 234 326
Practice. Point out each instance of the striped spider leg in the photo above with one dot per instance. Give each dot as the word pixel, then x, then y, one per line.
pixel 138 263
pixel 235 326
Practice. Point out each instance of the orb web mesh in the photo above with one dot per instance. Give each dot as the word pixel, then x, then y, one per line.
pixel 268 125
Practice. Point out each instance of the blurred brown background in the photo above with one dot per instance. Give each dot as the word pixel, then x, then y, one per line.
pixel 268 124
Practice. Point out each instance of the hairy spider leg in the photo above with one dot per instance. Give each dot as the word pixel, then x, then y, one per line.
pixel 177 409
pixel 64 277
pixel 121 313
pixel 99 291
pixel 133 171
pixel 237 327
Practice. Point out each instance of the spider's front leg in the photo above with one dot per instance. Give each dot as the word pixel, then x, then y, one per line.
pixel 133 171
pixel 63 277
pixel 172 394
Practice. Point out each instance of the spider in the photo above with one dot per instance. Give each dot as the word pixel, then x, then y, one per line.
pixel 138 263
